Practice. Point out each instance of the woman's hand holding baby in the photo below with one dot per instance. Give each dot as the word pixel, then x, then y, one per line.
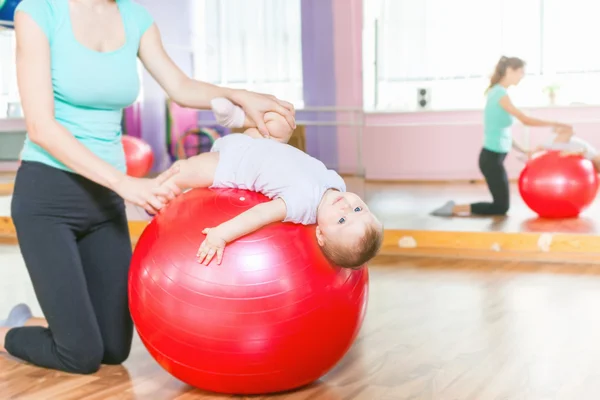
pixel 150 194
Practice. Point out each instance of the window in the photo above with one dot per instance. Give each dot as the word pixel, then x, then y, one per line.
pixel 8 77
pixel 250 44
pixel 450 49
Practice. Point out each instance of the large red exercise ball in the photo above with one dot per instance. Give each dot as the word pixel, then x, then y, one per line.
pixel 558 186
pixel 273 316
pixel 138 156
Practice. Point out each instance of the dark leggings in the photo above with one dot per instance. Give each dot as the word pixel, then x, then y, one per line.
pixel 491 165
pixel 74 237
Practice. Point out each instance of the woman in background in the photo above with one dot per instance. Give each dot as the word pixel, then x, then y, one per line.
pixel 499 115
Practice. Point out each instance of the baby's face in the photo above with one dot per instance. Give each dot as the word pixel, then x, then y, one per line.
pixel 343 216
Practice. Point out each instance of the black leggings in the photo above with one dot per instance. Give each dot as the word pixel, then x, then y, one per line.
pixel 491 165
pixel 74 237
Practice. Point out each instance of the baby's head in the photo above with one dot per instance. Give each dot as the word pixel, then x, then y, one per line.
pixel 348 233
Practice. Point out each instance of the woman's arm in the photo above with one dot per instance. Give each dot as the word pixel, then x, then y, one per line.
pixel 520 148
pixel 526 120
pixel 35 88
pixel 191 93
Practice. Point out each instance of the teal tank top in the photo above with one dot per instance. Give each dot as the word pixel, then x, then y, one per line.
pixel 91 88
pixel 497 122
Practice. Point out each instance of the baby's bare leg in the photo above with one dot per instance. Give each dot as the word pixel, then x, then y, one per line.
pixel 278 127
pixel 197 171
pixel 232 116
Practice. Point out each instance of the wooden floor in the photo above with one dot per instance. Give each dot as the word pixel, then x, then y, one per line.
pixel 435 329
pixel 408 207
pixel 6 183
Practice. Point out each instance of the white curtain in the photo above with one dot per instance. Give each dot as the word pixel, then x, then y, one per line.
pixel 436 39
pixel 254 44
pixel 570 30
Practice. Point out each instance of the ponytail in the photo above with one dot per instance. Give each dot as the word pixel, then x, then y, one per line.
pixel 500 72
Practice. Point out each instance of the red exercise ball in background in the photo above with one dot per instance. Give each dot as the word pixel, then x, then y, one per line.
pixel 138 156
pixel 273 316
pixel 557 186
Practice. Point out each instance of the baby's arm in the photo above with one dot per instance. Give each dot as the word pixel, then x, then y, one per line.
pixel 253 219
pixel 247 222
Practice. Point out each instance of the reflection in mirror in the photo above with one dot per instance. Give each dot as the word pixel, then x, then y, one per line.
pixel 424 99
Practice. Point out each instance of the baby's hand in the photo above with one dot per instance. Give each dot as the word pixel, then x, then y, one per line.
pixel 213 244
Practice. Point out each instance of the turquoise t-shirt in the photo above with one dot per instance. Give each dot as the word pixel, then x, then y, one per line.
pixel 91 88
pixel 497 122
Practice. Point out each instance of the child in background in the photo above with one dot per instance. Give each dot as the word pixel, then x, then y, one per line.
pixel 568 144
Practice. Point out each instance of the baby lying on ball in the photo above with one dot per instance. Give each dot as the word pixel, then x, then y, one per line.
pixel 568 144
pixel 301 188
